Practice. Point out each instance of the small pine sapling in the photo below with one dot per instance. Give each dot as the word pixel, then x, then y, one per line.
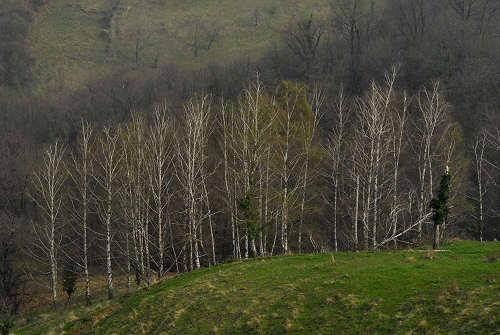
pixel 439 206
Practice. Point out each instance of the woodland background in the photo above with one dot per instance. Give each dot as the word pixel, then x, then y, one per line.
pixel 362 74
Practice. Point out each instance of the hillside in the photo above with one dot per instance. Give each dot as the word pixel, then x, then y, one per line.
pixel 403 292
pixel 75 41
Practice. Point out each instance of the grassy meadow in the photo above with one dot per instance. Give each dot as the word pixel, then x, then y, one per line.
pixel 386 292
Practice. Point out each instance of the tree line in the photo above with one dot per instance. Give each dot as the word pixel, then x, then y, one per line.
pixel 259 175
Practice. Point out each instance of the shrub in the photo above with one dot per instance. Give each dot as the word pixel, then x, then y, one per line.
pixel 70 276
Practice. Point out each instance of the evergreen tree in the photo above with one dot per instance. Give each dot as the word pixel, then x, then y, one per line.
pixel 250 216
pixel 439 206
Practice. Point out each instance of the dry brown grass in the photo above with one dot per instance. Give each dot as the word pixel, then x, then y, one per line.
pixel 104 313
pixel 423 324
pixel 493 257
pixel 289 324
pixel 40 297
pixel 442 309
pixel 179 313
pixel 72 316
pixel 430 255
pixel 453 287
pixel 490 280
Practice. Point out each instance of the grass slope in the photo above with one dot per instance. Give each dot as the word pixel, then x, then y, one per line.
pixel 402 292
pixel 73 41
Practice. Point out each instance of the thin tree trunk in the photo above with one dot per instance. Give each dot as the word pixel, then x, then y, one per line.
pixel 246 243
pixel 266 204
pixel 109 271
pixel 284 224
pixel 212 239
pixel 173 246
pixel 436 237
pixel 191 238
pixel 85 251
pixel 481 217
pixel 128 262
pixel 195 240
pixel 355 223
pixel 53 261
pixel 394 205
pixel 160 244
pixel 366 209
pixel 146 243
pixel 160 241
pixel 422 174
pixel 303 201
pixel 261 212
pixel 335 190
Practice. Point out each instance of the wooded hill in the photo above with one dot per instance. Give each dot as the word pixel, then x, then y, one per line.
pixel 322 125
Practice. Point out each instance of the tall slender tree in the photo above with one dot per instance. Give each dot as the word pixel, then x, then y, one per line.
pixel 47 193
pixel 108 162
pixel 81 174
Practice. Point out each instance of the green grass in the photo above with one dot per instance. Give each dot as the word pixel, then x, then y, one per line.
pixel 456 292
pixel 68 49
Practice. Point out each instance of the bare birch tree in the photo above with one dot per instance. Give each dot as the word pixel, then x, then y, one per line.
pixel 432 111
pixel 291 101
pixel 334 152
pixel 226 123
pixel 307 132
pixel 190 146
pixel 108 162
pixel 47 193
pixel 134 193
pixel 81 174
pixel 398 123
pixel 373 114
pixel 479 150
pixel 254 120
pixel 160 176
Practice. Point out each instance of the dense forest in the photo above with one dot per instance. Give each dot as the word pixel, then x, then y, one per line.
pixel 334 139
